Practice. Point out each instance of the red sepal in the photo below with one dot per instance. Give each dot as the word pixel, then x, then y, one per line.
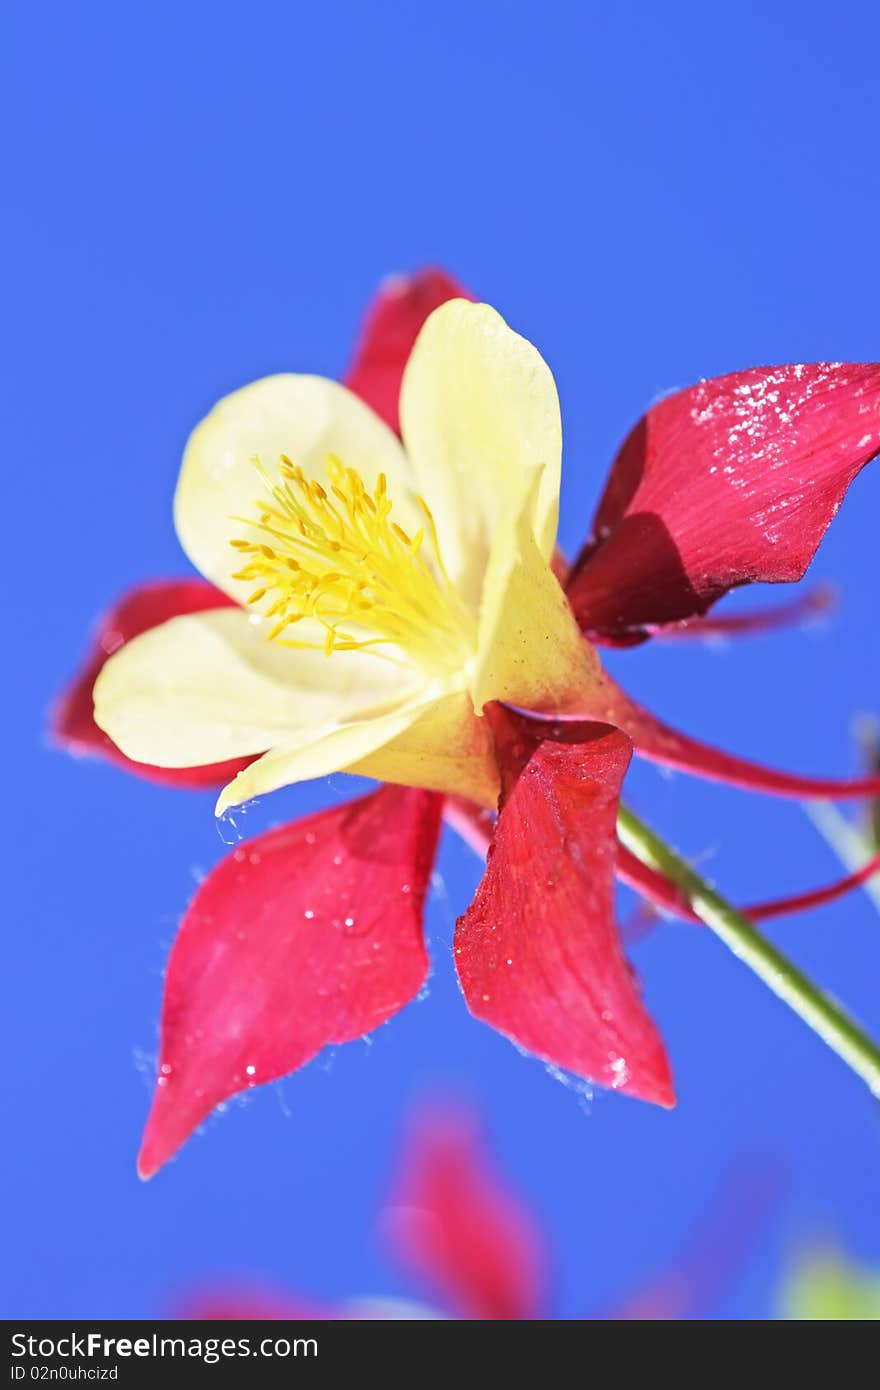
pixel 731 481
pixel 458 1228
pixel 72 719
pixel 393 322
pixel 538 952
pixel 308 935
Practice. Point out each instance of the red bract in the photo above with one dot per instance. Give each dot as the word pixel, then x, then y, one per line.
pixel 732 481
pixel 310 935
pixel 473 1243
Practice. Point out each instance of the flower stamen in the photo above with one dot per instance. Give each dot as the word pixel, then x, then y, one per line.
pixel 334 555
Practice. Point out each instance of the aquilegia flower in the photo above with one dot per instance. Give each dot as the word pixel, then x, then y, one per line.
pixel 387 595
pixel 477 1249
pixel 390 606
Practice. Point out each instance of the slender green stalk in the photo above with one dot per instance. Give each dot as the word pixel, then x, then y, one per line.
pixel 820 1012
pixel 848 844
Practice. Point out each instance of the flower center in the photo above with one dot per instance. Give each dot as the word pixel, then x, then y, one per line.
pixel 334 555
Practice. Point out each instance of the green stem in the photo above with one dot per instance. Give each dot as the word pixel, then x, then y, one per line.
pixel 848 844
pixel 820 1012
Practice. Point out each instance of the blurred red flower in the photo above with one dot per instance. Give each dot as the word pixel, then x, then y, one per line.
pixel 476 1249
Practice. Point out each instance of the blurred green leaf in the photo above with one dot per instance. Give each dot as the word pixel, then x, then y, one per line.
pixel 827 1288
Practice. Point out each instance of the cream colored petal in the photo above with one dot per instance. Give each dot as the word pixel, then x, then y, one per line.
pixel 209 686
pixel 479 412
pixel 531 652
pixel 305 417
pixel 447 749
pixel 333 748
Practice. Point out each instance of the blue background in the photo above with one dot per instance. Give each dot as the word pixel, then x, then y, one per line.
pixel 199 195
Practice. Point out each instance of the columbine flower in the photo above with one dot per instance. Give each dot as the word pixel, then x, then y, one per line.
pixel 390 609
pixel 476 1248
pixel 388 593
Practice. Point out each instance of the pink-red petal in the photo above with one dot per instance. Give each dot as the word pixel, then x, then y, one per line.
pixel 731 481
pixel 308 935
pixel 538 952
pixel 458 1228
pixel 72 719
pixel 393 322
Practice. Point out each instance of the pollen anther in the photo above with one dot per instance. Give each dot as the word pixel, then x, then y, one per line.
pixel 333 554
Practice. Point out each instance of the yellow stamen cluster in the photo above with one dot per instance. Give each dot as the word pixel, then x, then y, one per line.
pixel 333 554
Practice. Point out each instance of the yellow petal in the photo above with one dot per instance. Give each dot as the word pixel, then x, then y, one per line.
pixel 530 650
pixel 332 748
pixel 447 749
pixel 304 417
pixel 208 686
pixel 479 412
